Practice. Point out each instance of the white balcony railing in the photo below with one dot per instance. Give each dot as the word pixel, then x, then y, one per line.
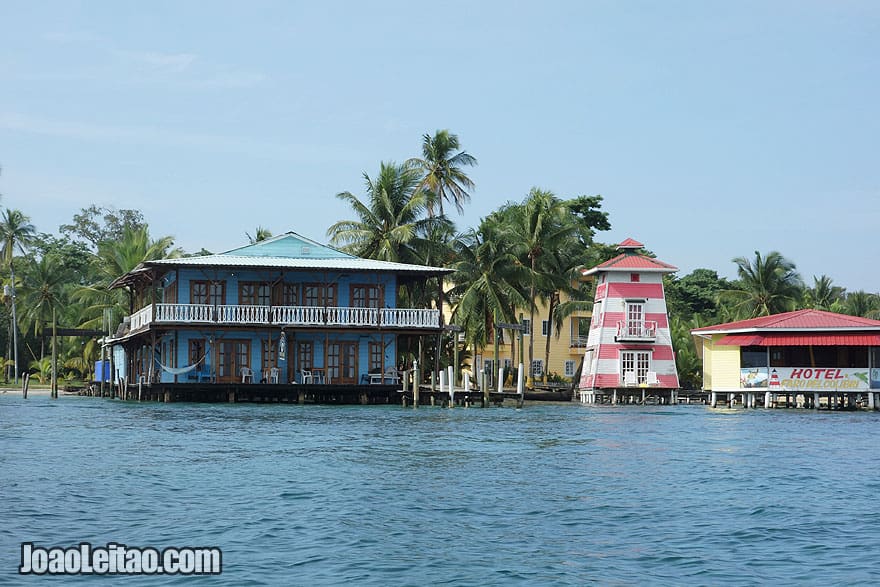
pixel 632 330
pixel 141 318
pixel 578 341
pixel 288 316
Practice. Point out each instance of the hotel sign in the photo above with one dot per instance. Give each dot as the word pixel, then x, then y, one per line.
pixel 809 379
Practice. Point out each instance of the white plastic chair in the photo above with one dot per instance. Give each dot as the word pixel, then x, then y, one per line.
pixel 652 378
pixel 274 373
pixel 247 375
pixel 629 378
pixel 306 376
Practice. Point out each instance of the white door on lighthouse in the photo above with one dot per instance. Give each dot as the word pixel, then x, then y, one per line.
pixel 639 362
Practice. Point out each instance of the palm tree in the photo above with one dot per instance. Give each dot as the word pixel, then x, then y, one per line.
pixel 861 303
pixel 260 234
pixel 823 294
pixel 441 167
pixel 540 226
pixel 114 259
pixel 767 285
pixel 391 224
pixel 43 290
pixel 16 233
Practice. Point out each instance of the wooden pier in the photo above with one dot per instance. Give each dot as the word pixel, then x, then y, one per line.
pixel 833 400
pixel 298 394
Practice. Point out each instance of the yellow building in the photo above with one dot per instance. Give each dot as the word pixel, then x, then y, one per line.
pixel 566 350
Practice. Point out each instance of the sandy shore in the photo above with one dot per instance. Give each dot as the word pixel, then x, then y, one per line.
pixel 16 391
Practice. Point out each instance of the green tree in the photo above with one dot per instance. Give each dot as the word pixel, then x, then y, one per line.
pixel 391 223
pixel 260 234
pixel 766 285
pixel 442 174
pixel 97 224
pixel 113 260
pixel 860 303
pixel 43 293
pixel 823 294
pixel 540 226
pixel 695 294
pixel 485 281
pixel 16 234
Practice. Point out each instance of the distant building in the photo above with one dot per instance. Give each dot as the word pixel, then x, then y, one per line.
pixel 807 353
pixel 629 344
pixel 283 310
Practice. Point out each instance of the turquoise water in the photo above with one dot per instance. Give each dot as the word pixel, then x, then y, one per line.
pixel 553 494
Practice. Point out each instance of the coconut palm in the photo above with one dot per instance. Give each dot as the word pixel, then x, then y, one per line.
pixel 43 291
pixel 767 285
pixel 861 303
pixel 823 294
pixel 540 226
pixel 113 260
pixel 485 282
pixel 391 224
pixel 260 234
pixel 16 233
pixel 441 167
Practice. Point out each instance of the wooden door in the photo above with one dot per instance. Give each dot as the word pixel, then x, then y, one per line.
pixel 342 362
pixel 232 355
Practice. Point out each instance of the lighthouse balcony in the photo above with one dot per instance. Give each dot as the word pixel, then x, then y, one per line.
pixel 629 331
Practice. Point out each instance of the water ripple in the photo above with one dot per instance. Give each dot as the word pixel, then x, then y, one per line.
pixel 550 495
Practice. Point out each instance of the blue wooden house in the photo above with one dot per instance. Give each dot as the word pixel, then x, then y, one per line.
pixel 285 310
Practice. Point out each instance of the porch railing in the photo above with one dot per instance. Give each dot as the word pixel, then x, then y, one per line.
pixel 339 316
pixel 631 330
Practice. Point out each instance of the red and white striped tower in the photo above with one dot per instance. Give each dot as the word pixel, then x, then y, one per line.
pixel 629 344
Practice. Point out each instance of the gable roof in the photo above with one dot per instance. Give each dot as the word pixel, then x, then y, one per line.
pixel 629 259
pixel 799 320
pixel 285 251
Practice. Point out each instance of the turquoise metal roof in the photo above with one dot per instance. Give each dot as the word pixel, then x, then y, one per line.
pixel 289 245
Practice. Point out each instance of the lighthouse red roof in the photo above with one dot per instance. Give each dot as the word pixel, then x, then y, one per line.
pixel 630 243
pixel 629 260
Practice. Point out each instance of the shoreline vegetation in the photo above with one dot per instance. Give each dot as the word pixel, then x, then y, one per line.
pixel 522 258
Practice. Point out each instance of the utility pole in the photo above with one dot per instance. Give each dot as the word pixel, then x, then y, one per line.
pixel 54 392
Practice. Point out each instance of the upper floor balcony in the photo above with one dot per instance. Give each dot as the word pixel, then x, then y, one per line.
pixel 294 316
pixel 636 331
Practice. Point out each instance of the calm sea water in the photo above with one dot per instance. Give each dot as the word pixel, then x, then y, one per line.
pixel 553 494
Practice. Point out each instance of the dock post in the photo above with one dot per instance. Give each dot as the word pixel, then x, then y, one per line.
pixel 231 397
pixel 643 396
pixel 167 397
pixel 443 386
pixel 767 396
pixel 500 379
pixel 871 400
pixel 140 389
pixel 450 380
pixel 24 385
pixel 614 398
pixel 714 400
pixel 415 384
pixel 520 385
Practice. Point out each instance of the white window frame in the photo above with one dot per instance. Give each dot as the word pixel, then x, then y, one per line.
pixel 635 317
pixel 528 326
pixel 640 361
pixel 569 368
pixel 537 369
pixel 545 328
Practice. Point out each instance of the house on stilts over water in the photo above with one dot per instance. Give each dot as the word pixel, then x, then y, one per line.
pixel 286 312
pixel 629 356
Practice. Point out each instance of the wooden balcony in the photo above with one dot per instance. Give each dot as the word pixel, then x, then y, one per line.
pixel 294 316
pixel 631 331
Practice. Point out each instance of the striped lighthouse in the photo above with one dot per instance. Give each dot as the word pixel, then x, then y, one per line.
pixel 629 348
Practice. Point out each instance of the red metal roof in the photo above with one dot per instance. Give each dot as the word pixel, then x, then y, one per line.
pixel 799 319
pixel 629 260
pixel 630 243
pixel 800 339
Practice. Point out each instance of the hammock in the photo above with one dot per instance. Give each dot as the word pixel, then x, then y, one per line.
pixel 181 370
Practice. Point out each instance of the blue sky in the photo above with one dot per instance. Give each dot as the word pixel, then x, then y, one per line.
pixel 712 129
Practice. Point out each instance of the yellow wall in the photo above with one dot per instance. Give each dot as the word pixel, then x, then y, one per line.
pixel 721 366
pixel 561 349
